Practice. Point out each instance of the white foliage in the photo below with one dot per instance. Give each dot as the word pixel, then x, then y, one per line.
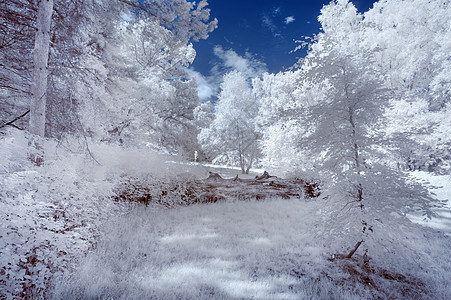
pixel 329 120
pixel 410 42
pixel 387 46
pixel 231 137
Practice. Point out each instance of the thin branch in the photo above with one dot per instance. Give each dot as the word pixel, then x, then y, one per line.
pixel 84 137
pixel 10 123
pixel 17 127
pixel 130 3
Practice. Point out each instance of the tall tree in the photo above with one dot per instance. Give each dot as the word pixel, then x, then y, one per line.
pixel 145 97
pixel 39 84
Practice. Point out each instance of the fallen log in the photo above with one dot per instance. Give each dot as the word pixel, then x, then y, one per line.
pixel 264 186
pixel 214 188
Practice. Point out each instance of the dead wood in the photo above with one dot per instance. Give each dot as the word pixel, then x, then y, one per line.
pixel 350 254
pixel 214 176
pixel 263 177
pixel 264 186
pixel 214 188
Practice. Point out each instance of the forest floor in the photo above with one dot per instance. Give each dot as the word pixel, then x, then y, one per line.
pixel 271 249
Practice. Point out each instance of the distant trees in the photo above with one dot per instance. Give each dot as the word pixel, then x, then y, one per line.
pixel 17 33
pixel 232 136
pixel 368 84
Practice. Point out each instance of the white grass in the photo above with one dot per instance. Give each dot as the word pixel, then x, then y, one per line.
pixel 233 250
pixel 272 249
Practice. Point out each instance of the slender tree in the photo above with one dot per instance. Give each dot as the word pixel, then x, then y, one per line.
pixel 40 71
pixel 39 85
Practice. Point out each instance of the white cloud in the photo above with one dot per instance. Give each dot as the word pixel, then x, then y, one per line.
pixel 289 19
pixel 206 88
pixel 268 23
pixel 248 65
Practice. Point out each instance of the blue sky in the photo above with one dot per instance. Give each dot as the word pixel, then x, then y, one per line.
pixel 255 36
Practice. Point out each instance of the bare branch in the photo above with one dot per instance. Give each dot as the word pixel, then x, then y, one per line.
pixel 10 123
pixel 130 3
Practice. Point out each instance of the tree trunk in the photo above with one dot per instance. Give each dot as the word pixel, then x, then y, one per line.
pixel 40 71
pixel 39 85
pixel 251 161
